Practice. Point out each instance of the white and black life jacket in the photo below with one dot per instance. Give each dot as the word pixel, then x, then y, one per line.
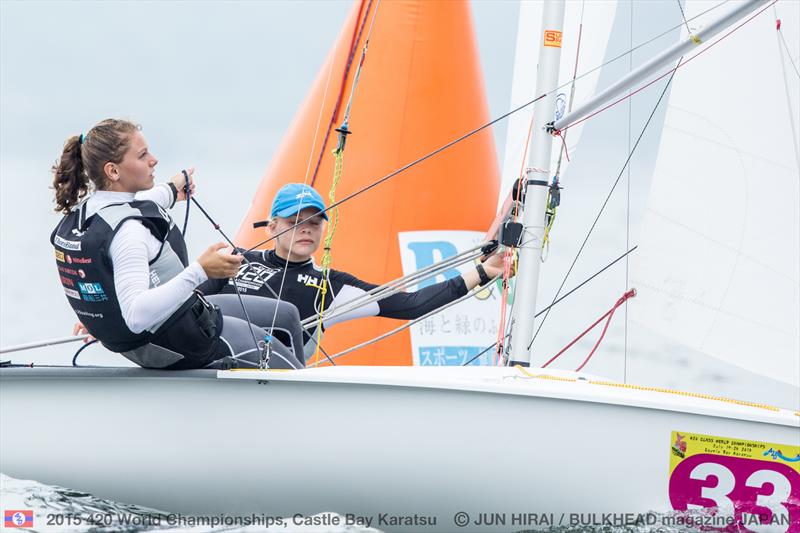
pixel 87 275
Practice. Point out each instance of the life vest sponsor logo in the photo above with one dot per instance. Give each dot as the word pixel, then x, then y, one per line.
pixel 81 273
pixel 92 292
pixel 66 281
pixel 79 260
pixel 67 245
pixel 254 276
pixel 59 255
pixel 72 293
pixel 67 270
pixel 78 233
pixel 88 313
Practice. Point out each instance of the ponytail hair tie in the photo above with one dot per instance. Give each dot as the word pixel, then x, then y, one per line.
pixel 81 139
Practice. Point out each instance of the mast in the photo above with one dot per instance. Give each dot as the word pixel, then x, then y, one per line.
pixel 537 176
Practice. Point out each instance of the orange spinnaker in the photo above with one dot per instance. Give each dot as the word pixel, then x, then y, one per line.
pixel 420 87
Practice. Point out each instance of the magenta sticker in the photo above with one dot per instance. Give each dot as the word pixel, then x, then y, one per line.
pixel 756 486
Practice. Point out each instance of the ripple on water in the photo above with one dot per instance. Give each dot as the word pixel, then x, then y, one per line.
pixel 110 516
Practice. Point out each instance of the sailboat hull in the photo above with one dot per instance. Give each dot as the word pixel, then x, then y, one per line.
pixel 390 442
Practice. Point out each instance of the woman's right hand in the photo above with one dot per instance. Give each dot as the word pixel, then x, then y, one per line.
pixel 80 329
pixel 218 265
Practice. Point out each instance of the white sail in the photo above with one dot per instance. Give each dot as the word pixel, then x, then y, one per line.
pixel 598 17
pixel 718 266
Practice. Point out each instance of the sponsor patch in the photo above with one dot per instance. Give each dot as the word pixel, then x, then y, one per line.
pixel 254 276
pixel 59 255
pixel 67 270
pixel 66 281
pixel 89 314
pixel 18 518
pixel 757 482
pixel 79 260
pixel 67 245
pixel 92 292
pixel 72 293
pixel 552 38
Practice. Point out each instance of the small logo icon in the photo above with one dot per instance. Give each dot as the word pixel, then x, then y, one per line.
pixel 19 518
pixel 81 273
pixel 679 446
pixel 69 259
pixel 59 255
pixel 552 38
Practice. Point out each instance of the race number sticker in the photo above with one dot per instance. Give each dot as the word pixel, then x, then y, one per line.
pixel 756 484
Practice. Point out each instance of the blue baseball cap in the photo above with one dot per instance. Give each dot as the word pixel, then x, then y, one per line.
pixel 294 197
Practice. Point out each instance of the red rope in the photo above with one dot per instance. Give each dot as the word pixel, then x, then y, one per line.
pixel 608 316
pixel 508 256
pixel 357 31
pixel 667 73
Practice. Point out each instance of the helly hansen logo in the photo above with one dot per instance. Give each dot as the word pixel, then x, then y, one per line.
pixel 305 279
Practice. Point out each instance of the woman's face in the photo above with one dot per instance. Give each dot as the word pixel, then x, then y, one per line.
pixel 307 235
pixel 136 171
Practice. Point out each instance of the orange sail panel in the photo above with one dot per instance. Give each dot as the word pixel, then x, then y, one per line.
pixel 420 87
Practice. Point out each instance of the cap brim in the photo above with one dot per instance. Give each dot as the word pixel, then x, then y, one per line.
pixel 293 210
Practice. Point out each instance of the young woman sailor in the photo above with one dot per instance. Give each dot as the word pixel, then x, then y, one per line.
pixel 264 274
pixel 123 264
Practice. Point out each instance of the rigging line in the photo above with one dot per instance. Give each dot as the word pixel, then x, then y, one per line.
pixel 628 201
pixel 233 279
pixel 792 124
pixel 357 75
pixel 472 293
pixel 665 74
pixel 481 128
pixel 294 227
pixel 385 292
pixel 572 89
pixel 477 130
pixel 407 166
pixel 566 295
pixel 683 16
pixel 357 30
pixel 608 197
pixel 783 40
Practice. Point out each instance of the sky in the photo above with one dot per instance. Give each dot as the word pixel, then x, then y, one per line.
pixel 214 85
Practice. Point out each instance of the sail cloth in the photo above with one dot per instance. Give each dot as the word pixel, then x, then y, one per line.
pixel 718 264
pixel 421 87
pixel 598 18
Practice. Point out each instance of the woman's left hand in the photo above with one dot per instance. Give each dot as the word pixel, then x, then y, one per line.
pixel 494 265
pixel 179 180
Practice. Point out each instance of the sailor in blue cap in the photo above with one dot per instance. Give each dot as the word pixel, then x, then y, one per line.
pixel 289 269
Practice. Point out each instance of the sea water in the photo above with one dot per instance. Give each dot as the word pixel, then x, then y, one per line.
pixel 65 510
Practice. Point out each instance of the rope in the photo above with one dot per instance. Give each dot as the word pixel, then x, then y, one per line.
pixel 475 290
pixel 357 30
pixel 384 291
pixel 607 316
pixel 338 164
pixel 786 46
pixel 479 129
pixel 605 202
pixel 781 39
pixel 556 302
pixel 671 71
pixel 82 348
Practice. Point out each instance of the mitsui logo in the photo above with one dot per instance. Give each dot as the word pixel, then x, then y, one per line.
pixel 92 292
